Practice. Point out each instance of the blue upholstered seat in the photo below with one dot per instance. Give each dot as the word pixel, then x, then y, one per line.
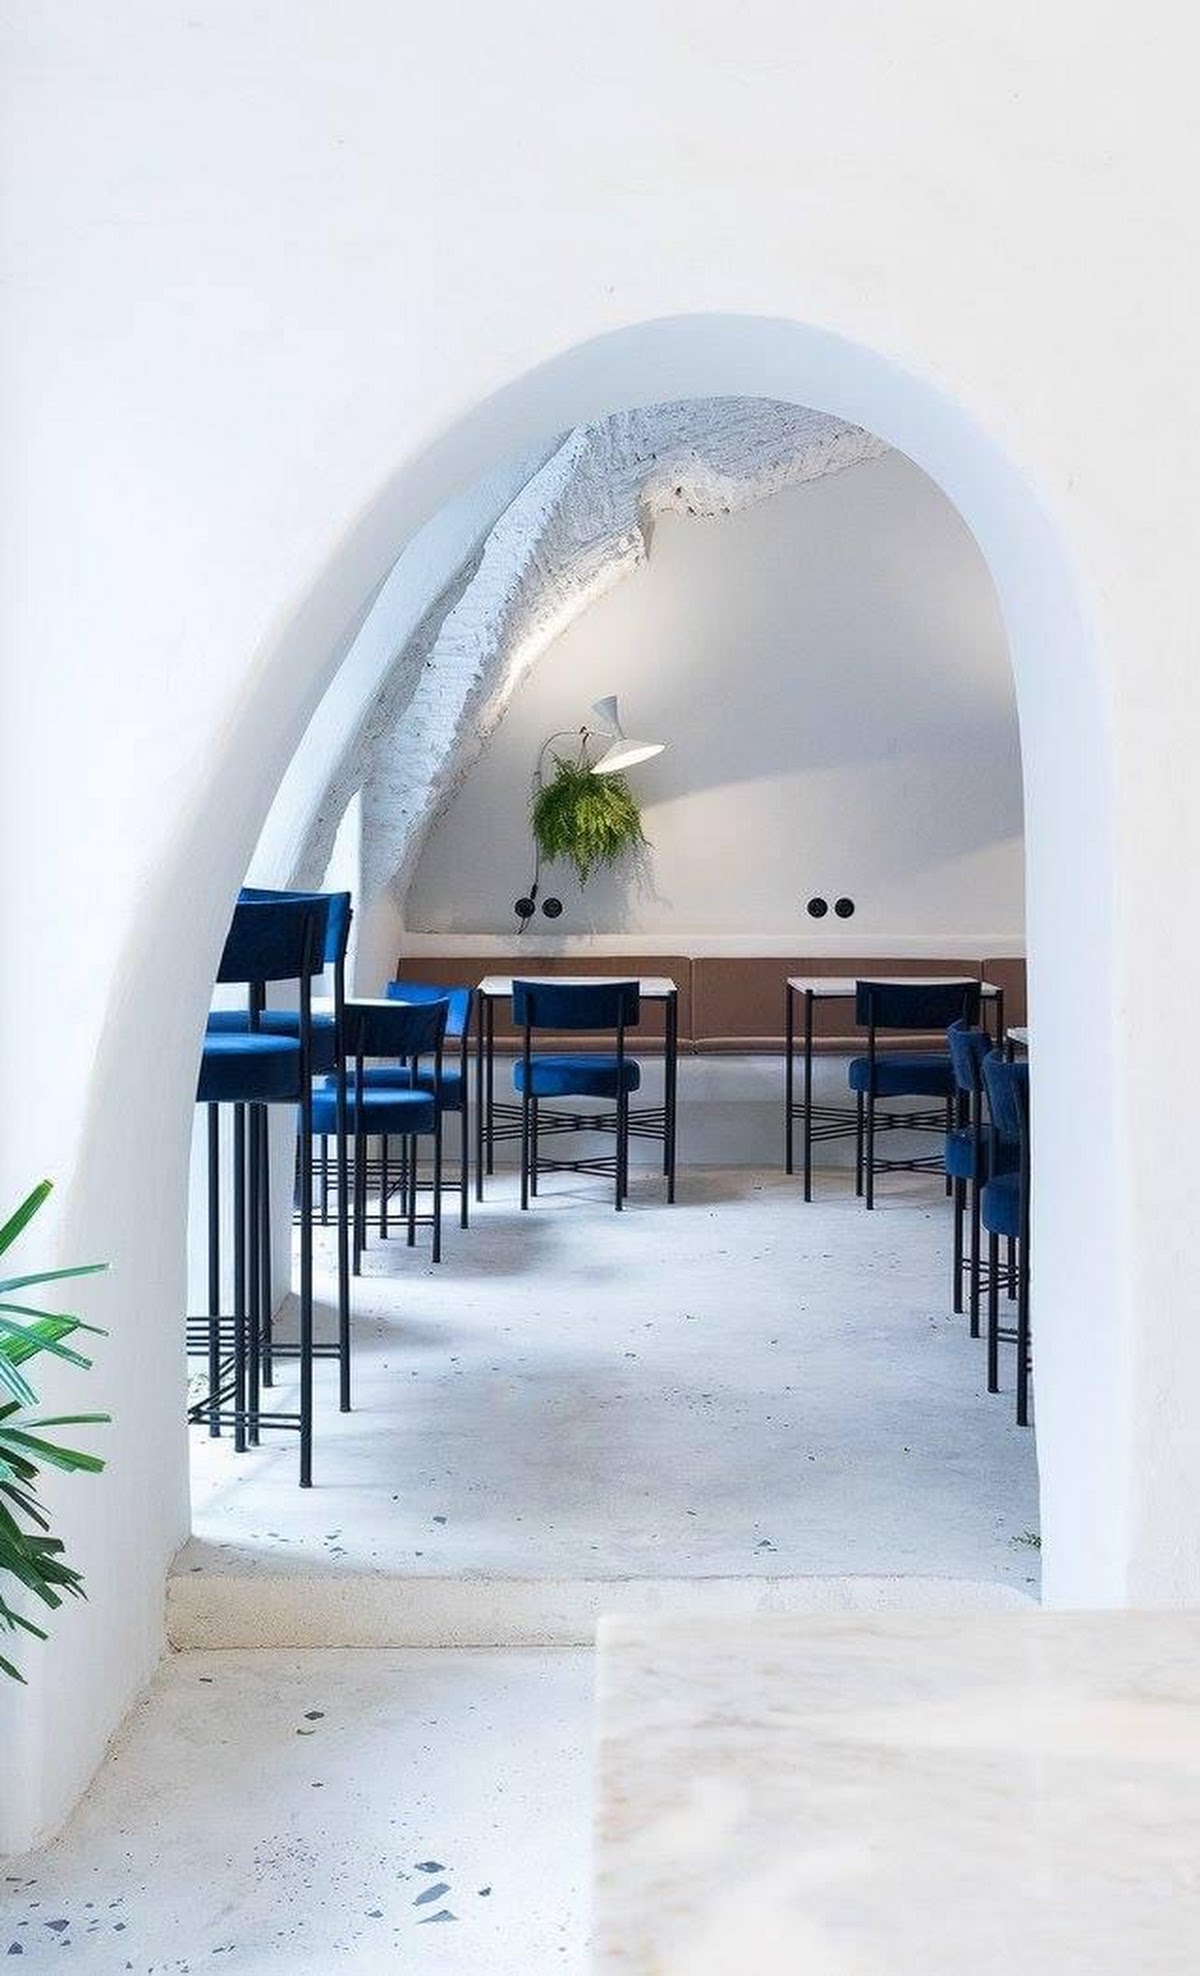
pixel 391 1110
pixel 282 1022
pixel 915 1075
pixel 997 1155
pixel 1000 1205
pixel 238 1068
pixel 398 1077
pixel 583 1076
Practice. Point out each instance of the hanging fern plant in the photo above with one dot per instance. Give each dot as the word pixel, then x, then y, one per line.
pixel 588 819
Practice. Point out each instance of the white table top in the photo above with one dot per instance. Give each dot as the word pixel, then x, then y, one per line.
pixel 892 1794
pixel 836 987
pixel 654 987
pixel 1020 1035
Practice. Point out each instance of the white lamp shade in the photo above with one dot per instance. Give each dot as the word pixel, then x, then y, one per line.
pixel 624 750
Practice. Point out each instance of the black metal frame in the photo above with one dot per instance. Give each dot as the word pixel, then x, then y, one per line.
pixel 828 1122
pixel 1016 1274
pixel 496 1121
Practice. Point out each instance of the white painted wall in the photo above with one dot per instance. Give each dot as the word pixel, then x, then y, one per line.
pixel 831 670
pixel 280 281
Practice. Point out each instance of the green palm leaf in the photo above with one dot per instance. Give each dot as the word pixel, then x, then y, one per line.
pixel 31 1557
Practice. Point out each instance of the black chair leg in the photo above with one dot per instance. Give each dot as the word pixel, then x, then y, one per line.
pixel 383 1187
pixel 533 1146
pixel 324 1180
pixel 437 1186
pixel 412 1191
pixel 1023 1338
pixel 343 1243
pixel 949 1181
pixel 525 1149
pixel 993 1320
pixel 870 1149
pixel 360 1196
pixel 976 1256
pixel 960 1209
pixel 619 1162
pixel 858 1148
pixel 464 1158
pixel 1011 1267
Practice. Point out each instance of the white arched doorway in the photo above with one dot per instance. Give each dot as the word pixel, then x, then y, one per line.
pixel 1080 1313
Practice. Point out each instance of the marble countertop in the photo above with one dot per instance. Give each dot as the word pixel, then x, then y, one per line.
pixel 882 1794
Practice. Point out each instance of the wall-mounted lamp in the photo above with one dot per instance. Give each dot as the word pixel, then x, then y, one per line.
pixel 623 751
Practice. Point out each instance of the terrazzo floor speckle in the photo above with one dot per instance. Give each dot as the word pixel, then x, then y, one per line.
pixel 327 1810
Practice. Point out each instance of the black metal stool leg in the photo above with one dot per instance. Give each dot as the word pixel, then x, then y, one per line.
pixel 870 1149
pixel 858 1146
pixel 254 1265
pixel 384 1178
pixel 976 1255
pixel 412 1191
pixel 214 1271
pixel 306 1296
pixel 239 1278
pixel 268 1288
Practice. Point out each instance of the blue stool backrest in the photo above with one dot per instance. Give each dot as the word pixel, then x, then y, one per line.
pixel 968 1048
pixel 337 925
pixel 915 1004
pixel 1007 1086
pixel 279 940
pixel 575 1005
pixel 395 1029
pixel 458 1002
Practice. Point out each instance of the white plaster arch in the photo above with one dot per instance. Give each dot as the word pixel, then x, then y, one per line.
pixel 162 989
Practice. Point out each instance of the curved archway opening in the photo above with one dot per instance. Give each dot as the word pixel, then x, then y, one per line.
pixel 169 967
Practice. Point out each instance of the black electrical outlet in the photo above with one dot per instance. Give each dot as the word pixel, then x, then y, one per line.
pixel 552 908
pixel 844 908
pixel 817 908
pixel 524 908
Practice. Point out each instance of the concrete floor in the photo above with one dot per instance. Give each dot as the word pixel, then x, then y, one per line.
pixel 733 1404
pixel 739 1388
pixel 317 1811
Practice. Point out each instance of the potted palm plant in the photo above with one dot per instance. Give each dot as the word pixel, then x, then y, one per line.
pixel 31 1556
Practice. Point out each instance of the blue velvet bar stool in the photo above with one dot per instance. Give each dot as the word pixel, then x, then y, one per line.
pixel 414 1035
pixel 899 1006
pixel 601 1007
pixel 974 1153
pixel 1004 1208
pixel 328 1062
pixel 249 1068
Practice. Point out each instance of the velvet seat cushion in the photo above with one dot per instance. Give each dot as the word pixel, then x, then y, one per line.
pixel 282 1022
pixel 384 1110
pixel 240 1068
pixel 960 1155
pixel 1000 1205
pixel 580 1076
pixel 898 1076
pixel 397 1077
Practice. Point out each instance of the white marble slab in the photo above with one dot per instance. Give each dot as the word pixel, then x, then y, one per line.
pixel 885 1794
